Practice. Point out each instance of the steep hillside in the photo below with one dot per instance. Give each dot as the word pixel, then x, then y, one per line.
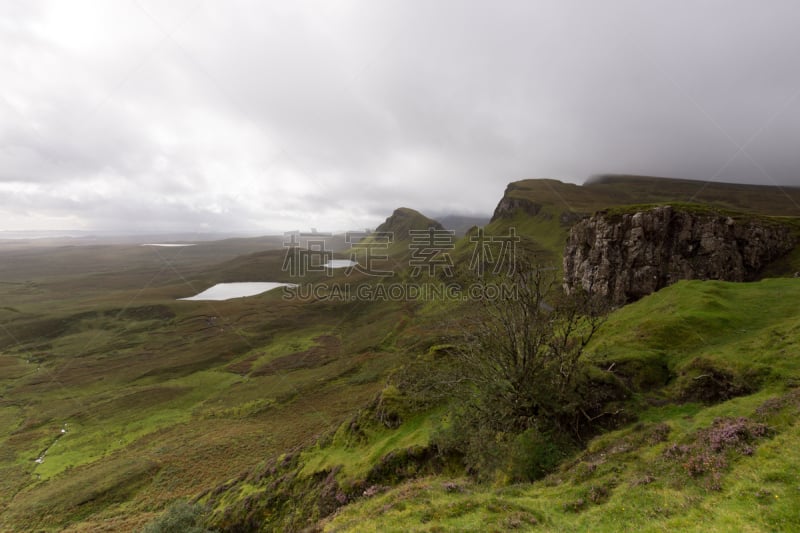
pixel 715 370
pixel 545 209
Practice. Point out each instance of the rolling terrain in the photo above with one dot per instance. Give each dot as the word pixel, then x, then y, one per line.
pixel 666 470
pixel 117 400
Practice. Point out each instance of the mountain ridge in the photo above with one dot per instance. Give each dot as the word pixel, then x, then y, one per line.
pixel 612 190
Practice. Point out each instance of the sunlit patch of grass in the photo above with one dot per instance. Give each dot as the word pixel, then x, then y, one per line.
pixel 285 344
pixel 357 456
pixel 760 492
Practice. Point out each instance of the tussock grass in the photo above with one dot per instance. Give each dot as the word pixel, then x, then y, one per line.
pixel 627 479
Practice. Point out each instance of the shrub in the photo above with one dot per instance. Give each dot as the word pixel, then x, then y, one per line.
pixel 710 382
pixel 533 455
pixel 574 506
pixel 523 394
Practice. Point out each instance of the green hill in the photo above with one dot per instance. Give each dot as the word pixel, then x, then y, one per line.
pixel 404 220
pixel 275 413
pixel 613 190
pixel 668 470
pixel 684 354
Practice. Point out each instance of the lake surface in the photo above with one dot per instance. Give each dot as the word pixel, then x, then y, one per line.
pixel 340 263
pixel 226 291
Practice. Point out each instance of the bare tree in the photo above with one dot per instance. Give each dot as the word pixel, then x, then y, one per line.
pixel 520 364
pixel 520 390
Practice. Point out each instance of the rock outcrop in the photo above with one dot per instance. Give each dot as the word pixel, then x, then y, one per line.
pixel 627 256
pixel 509 205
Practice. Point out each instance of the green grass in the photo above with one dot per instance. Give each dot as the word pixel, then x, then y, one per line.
pixel 356 459
pixel 744 325
pixel 160 404
pixel 756 324
pixel 760 494
pixel 543 234
pixel 114 424
pixel 628 190
pixel 154 404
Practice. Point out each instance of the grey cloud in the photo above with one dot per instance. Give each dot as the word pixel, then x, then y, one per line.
pixel 246 114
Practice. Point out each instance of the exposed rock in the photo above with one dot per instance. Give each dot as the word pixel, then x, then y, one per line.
pixel 628 256
pixel 509 205
pixel 568 218
pixel 545 200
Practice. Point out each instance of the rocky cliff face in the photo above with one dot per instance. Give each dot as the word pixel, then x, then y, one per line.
pixel 625 257
pixel 509 205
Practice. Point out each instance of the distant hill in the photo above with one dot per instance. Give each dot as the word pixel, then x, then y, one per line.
pixel 462 223
pixel 403 220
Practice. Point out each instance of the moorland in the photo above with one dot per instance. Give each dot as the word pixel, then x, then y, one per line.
pixel 124 408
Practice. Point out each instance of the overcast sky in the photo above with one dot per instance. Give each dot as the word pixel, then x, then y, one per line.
pixel 147 115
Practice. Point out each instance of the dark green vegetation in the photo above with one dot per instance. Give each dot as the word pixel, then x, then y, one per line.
pixel 519 387
pixel 181 517
pixel 727 460
pixel 269 413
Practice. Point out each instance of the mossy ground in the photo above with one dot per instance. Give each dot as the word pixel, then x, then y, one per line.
pixel 623 480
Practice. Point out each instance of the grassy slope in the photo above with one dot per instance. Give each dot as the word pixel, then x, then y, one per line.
pixel 624 190
pixel 741 325
pixel 164 399
pixel 352 461
pixel 160 403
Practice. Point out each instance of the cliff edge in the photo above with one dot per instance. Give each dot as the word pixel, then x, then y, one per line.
pixel 627 255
